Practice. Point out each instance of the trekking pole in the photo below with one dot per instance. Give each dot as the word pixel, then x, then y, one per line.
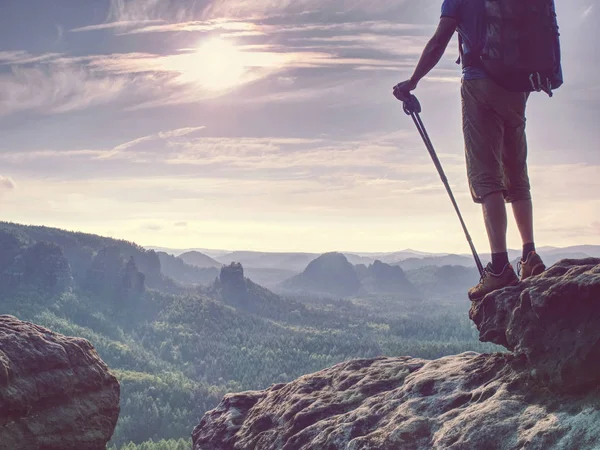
pixel 412 107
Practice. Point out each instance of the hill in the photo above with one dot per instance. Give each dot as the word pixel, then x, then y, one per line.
pixel 186 274
pixel 200 260
pixel 329 274
pixel 445 260
pixel 332 274
pixel 444 284
pixel 383 278
pixel 264 260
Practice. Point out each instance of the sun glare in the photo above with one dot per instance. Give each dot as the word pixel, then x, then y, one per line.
pixel 217 65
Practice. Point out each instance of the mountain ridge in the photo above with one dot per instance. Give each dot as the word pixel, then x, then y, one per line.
pixel 408 258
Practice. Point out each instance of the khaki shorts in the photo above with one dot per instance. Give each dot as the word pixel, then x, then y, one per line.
pixel 495 142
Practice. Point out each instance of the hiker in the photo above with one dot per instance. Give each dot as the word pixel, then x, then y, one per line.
pixel 494 118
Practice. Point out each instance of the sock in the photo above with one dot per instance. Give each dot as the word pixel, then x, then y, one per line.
pixel 499 262
pixel 527 249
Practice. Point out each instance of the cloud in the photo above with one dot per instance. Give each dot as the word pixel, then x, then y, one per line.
pixel 56 89
pixel 71 84
pixel 23 157
pixel 245 8
pixel 163 135
pixel 123 24
pixel 276 54
pixel 12 55
pixel 142 10
pixel 152 227
pixel 257 27
pixel 6 184
pixel 237 27
pixel 587 12
pixel 22 57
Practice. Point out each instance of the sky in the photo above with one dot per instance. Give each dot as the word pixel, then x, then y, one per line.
pixel 269 125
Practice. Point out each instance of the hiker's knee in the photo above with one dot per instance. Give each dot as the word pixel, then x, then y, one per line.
pixel 518 195
pixel 482 189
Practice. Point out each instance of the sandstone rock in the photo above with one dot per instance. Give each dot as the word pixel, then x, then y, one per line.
pixel 464 402
pixel 543 395
pixel 55 391
pixel 232 278
pixel 329 274
pixel 553 320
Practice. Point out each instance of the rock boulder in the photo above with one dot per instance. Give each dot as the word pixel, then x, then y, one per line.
pixel 552 320
pixel 55 391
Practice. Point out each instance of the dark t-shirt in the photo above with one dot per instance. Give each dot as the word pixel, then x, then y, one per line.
pixel 470 15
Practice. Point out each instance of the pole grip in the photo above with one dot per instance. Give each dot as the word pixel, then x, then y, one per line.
pixel 411 105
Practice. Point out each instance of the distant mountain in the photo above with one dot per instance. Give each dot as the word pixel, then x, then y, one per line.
pixel 409 259
pixel 552 258
pixel 358 259
pixel 234 289
pixel 188 274
pixel 177 269
pixel 179 251
pixel 385 279
pixel 589 250
pixel 263 260
pixel 91 256
pixel 445 284
pixel 330 273
pixel 42 265
pixel 27 266
pixel 396 257
pixel 201 260
pixel 269 278
pixel 446 260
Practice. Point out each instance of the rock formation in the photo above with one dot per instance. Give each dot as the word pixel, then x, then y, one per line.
pixel 42 265
pixel 234 289
pixel 382 278
pixel 329 274
pixel 232 277
pixel 552 320
pixel 544 395
pixel 55 391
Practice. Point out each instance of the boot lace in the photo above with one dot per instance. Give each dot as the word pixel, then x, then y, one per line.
pixel 519 268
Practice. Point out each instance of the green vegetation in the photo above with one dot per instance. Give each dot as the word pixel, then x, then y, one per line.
pixel 171 444
pixel 177 350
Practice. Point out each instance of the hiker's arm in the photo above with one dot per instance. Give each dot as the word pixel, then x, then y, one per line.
pixel 435 48
pixel 432 54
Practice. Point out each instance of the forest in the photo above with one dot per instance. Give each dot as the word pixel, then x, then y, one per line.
pixel 178 348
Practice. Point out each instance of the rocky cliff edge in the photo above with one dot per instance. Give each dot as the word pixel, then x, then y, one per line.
pixel 542 394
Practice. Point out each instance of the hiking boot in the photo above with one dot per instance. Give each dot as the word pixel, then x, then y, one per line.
pixel 531 267
pixel 491 282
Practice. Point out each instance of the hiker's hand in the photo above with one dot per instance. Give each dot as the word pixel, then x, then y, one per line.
pixel 402 90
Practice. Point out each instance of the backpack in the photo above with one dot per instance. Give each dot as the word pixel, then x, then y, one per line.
pixel 522 45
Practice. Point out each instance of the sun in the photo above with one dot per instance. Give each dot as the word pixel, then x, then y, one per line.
pixel 216 65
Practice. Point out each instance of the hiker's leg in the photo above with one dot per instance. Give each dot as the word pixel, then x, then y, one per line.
pixel 523 212
pixel 494 215
pixel 515 167
pixel 484 144
pixel 483 127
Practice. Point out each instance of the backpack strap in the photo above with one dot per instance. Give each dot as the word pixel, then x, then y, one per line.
pixel 461 54
pixel 470 59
